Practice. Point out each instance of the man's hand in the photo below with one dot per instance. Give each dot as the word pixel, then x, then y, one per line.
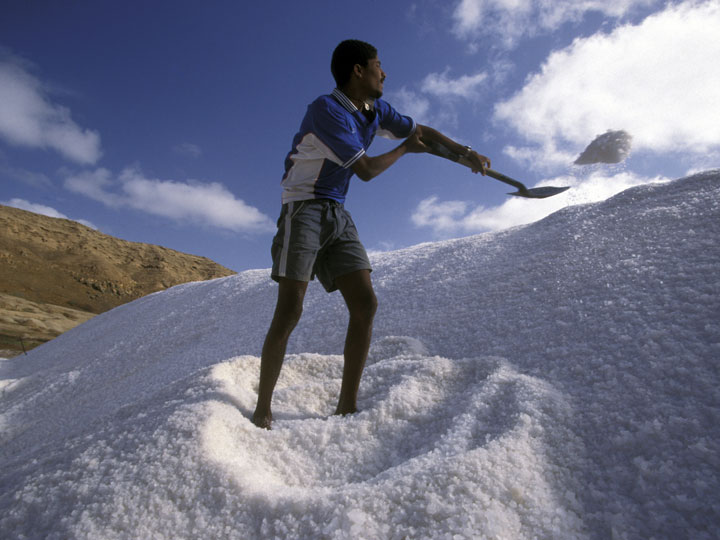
pixel 478 162
pixel 414 145
pixel 367 167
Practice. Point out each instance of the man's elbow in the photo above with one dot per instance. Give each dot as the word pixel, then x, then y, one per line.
pixel 365 176
pixel 363 171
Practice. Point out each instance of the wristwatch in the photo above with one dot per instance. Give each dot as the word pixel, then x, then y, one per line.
pixel 468 149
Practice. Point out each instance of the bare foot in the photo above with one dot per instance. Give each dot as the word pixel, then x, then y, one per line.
pixel 262 420
pixel 345 410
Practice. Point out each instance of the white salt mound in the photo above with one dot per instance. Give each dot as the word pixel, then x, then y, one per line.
pixel 557 380
pixel 610 147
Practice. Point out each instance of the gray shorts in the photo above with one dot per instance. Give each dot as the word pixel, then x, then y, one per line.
pixel 317 237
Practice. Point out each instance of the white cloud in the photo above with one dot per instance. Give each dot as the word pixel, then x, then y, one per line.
pixel 465 86
pixel 28 117
pixel 412 104
pixel 443 217
pixel 544 158
pixel 510 20
pixel 449 218
pixel 658 80
pixel 209 204
pixel 95 185
pixel 42 209
pixel 431 105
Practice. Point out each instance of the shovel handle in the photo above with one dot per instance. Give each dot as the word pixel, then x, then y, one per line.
pixel 497 176
pixel 440 150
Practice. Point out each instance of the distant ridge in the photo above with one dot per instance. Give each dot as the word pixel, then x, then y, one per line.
pixel 56 273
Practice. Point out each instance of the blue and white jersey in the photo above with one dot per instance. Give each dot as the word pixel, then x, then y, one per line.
pixel 333 135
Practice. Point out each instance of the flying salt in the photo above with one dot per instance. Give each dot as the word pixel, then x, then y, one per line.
pixel 610 147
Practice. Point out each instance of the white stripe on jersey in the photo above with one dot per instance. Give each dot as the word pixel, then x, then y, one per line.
pixel 282 271
pixel 308 161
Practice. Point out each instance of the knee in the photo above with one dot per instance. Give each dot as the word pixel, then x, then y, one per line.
pixel 372 304
pixel 364 307
pixel 286 318
pixel 293 314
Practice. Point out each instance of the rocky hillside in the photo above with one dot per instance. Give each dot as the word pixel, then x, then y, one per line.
pixel 57 273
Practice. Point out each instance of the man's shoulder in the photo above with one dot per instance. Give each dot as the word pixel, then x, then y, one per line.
pixel 383 107
pixel 326 108
pixel 326 102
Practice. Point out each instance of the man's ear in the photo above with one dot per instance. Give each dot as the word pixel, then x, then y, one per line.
pixel 358 71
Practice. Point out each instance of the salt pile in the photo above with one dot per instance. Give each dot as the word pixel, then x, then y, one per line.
pixel 557 380
pixel 610 147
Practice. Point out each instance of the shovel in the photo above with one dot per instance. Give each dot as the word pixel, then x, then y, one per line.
pixel 533 193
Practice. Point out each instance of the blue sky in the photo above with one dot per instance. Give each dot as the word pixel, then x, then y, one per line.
pixel 168 122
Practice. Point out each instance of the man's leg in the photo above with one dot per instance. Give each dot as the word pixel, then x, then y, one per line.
pixel 291 294
pixel 359 295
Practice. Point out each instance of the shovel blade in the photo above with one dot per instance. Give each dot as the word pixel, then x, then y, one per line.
pixel 539 192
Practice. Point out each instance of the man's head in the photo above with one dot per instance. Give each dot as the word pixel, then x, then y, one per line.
pixel 347 55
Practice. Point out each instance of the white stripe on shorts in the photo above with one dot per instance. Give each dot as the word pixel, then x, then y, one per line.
pixel 286 240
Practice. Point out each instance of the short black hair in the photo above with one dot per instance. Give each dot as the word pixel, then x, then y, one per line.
pixel 346 55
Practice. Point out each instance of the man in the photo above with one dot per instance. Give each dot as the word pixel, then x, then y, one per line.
pixel 316 236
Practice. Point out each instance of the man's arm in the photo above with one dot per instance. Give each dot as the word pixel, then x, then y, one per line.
pixel 367 168
pixel 428 135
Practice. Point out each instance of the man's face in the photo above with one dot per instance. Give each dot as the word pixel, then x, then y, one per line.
pixel 374 77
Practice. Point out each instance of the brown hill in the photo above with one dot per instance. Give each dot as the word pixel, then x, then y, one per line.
pixel 56 273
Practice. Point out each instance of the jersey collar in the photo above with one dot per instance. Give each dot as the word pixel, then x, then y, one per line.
pixel 349 105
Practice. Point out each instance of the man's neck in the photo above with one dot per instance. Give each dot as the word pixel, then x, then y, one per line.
pixel 356 96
